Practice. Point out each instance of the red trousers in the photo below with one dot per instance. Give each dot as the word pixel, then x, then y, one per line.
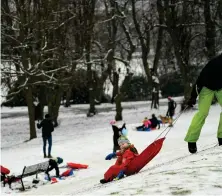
pixel 113 172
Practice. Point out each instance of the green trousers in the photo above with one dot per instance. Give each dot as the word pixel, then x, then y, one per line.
pixel 205 99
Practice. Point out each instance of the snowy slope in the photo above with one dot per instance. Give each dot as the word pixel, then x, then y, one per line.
pixel 88 140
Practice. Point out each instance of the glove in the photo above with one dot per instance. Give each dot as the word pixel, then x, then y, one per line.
pixel 191 102
pixel 110 156
pixel 120 175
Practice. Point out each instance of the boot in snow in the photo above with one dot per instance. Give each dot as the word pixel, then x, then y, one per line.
pixel 192 147
pixel 103 181
pixel 220 141
pixel 49 156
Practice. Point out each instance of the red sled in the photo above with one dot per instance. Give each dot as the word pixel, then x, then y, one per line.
pixel 145 157
pixel 67 173
pixel 5 170
pixel 77 166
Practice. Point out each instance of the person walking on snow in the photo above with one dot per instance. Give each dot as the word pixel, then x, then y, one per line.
pixel 208 85
pixel 47 129
pixel 171 110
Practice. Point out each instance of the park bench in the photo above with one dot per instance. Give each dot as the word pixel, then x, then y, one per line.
pixel 31 170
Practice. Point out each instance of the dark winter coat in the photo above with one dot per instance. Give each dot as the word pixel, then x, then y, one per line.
pixel 154 122
pixel 171 108
pixel 53 165
pixel 210 77
pixel 47 127
pixel 116 133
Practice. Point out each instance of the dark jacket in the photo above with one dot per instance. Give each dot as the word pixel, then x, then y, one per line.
pixel 154 122
pixel 210 77
pixel 53 165
pixel 171 107
pixel 47 127
pixel 116 133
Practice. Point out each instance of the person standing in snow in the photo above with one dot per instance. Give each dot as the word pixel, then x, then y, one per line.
pixel 208 85
pixel 171 110
pixel 47 129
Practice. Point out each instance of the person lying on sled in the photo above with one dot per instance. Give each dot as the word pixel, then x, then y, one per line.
pixel 126 154
pixel 146 124
pixel 53 164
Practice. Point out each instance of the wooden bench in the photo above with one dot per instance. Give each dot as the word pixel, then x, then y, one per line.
pixel 33 170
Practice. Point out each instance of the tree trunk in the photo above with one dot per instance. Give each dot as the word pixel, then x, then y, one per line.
pixel 160 36
pixel 42 100
pixel 115 86
pixel 68 97
pixel 119 108
pixel 31 112
pixel 210 42
pixel 54 100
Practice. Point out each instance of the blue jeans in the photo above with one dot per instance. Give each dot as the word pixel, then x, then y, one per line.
pixel 49 143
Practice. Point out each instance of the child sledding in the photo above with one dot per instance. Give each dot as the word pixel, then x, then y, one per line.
pixel 126 154
pixel 129 161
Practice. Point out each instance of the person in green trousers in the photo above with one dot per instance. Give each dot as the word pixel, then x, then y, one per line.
pixel 208 86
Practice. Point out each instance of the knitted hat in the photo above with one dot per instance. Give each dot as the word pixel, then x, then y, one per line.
pixel 59 160
pixel 123 139
pixel 112 122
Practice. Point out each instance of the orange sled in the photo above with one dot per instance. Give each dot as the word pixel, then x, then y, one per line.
pixel 77 166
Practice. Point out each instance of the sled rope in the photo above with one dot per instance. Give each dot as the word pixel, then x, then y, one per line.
pixel 174 122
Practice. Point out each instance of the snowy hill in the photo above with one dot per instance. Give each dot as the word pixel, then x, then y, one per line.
pixel 174 171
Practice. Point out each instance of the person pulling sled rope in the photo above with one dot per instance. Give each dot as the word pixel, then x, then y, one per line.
pixel 208 86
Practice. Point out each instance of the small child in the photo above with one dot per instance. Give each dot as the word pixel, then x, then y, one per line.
pixel 126 154
pixel 146 124
pixel 53 164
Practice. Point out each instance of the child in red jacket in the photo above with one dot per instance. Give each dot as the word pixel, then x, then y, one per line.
pixel 126 154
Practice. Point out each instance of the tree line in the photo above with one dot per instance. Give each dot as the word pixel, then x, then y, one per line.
pixel 50 47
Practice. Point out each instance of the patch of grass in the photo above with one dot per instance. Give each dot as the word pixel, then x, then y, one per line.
pixel 139 191
pixel 218 186
pixel 181 192
pixel 171 173
pixel 114 193
pixel 216 170
pixel 175 188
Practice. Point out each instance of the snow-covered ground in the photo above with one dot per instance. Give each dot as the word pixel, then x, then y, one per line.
pixel 88 140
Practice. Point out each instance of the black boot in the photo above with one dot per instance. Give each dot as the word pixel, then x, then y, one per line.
pixel 192 147
pixel 220 141
pixel 103 181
